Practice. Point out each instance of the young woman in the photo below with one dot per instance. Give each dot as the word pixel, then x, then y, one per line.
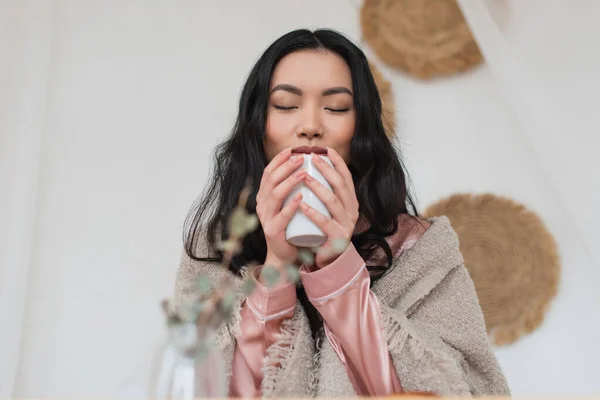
pixel 396 311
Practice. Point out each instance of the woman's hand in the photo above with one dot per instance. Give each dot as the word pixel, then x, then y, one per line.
pixel 341 203
pixel 278 180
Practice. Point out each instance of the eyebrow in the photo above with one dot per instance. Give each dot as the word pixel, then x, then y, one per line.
pixel 297 91
pixel 336 90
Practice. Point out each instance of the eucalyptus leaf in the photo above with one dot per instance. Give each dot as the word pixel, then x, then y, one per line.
pixel 203 284
pixel 248 287
pixel 228 245
pixel 191 310
pixel 174 321
pixel 198 308
pixel 270 274
pixel 292 273
pixel 339 245
pixel 237 222
pixel 228 300
pixel 306 257
pixel 251 223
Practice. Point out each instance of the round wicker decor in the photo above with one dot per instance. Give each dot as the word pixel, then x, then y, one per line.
pixel 511 257
pixel 387 99
pixel 425 38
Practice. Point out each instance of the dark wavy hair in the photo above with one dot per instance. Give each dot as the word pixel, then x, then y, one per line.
pixel 377 170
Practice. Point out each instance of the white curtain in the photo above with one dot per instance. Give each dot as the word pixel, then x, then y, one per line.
pixel 544 56
pixel 25 40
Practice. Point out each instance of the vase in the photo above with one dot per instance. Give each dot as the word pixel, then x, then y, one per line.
pixel 189 366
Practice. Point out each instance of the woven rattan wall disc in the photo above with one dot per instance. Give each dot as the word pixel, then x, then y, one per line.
pixel 511 257
pixel 387 99
pixel 425 38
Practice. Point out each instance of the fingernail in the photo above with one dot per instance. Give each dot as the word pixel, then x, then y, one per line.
pixel 316 158
pixel 300 173
pixel 298 196
pixel 293 158
pixel 286 150
pixel 309 178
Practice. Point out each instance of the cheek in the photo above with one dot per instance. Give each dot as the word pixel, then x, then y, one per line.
pixel 276 133
pixel 340 126
pixel 341 131
pixel 280 125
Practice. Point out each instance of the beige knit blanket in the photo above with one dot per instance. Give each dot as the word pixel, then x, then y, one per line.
pixel 434 324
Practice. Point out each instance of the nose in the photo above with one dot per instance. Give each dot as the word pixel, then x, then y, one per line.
pixel 309 134
pixel 310 126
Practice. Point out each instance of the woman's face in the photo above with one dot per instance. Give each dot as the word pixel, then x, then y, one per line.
pixel 310 103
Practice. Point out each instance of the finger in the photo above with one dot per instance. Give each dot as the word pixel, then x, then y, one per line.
pixel 282 219
pixel 279 159
pixel 342 189
pixel 329 198
pixel 277 196
pixel 340 166
pixel 327 225
pixel 271 178
pixel 286 169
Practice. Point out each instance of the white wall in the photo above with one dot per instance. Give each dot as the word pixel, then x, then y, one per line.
pixel 548 77
pixel 140 92
pixel 8 50
pixel 24 69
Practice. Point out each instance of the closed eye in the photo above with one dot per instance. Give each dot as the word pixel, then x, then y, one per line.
pixel 338 110
pixel 284 108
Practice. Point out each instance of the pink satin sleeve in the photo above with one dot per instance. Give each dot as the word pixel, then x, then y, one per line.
pixel 340 292
pixel 261 317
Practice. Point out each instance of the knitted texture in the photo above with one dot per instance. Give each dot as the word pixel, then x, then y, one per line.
pixel 432 318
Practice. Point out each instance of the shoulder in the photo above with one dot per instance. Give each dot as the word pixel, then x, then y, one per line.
pixel 410 231
pixel 435 239
pixel 423 266
pixel 427 240
pixel 186 288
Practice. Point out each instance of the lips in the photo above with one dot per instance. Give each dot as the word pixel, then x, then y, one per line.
pixel 309 149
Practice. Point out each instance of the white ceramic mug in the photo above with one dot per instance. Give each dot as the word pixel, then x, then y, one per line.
pixel 301 231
